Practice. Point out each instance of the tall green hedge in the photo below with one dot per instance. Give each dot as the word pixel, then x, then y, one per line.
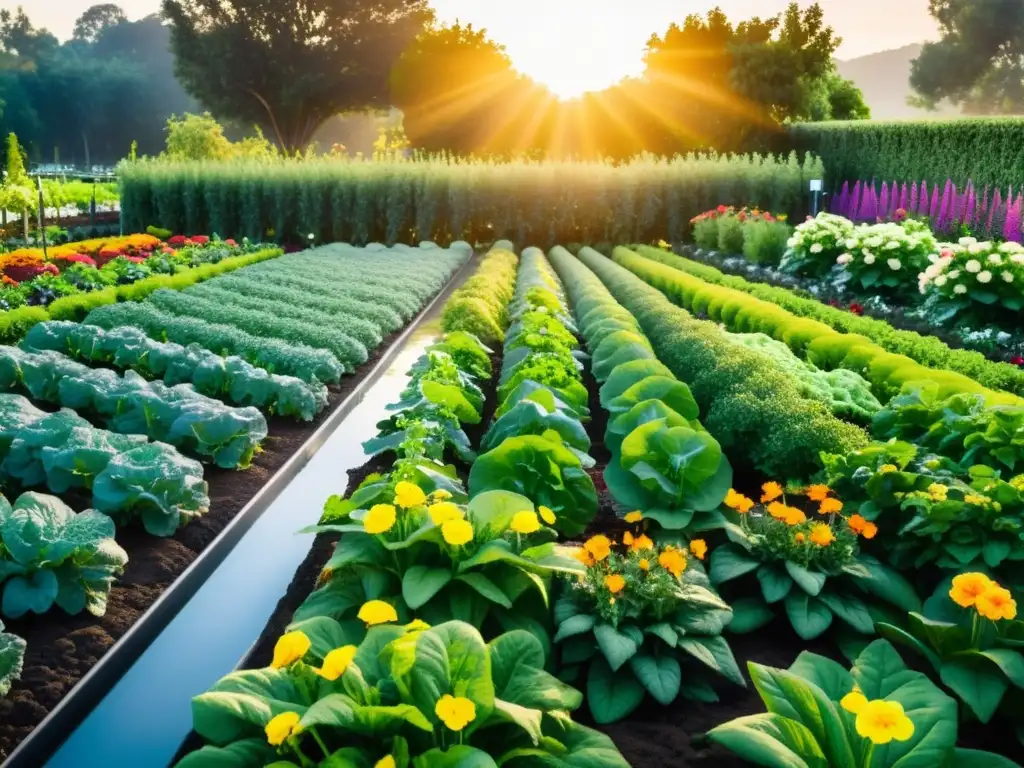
pixel 984 149
pixel 445 200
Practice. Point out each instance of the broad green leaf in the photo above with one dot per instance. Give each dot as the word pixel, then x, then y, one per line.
pixel 850 609
pixel 748 615
pixel 775 582
pixel 730 562
pixel 715 653
pixel 617 645
pixel 809 581
pixel 612 695
pixel 575 625
pixel 770 740
pixel 976 680
pixel 809 616
pixel 660 675
pixel 486 587
pixel 245 753
pixel 421 583
pixel 458 756
pixel 517 663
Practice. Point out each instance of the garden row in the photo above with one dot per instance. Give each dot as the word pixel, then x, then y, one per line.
pixel 545 522
pixel 162 400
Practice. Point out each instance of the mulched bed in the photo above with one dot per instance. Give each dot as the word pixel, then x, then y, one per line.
pixel 62 648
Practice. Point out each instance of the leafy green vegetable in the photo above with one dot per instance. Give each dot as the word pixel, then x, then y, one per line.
pixel 12 657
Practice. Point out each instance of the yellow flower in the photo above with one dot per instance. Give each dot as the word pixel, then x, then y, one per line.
pixel 968 587
pixel 882 721
pixel 547 515
pixel 641 544
pixel 337 661
pixel 800 538
pixel 830 506
pixel 635 516
pixel 615 583
pixel 778 510
pixel 854 701
pixel 281 727
pixel 457 532
pixel 525 522
pixel 887 468
pixel 599 547
pixel 380 519
pixel 443 511
pixel 772 491
pixel 938 491
pixel 417 625
pixel 584 556
pixel 408 495
pixel 440 495
pixel 377 612
pixel 996 603
pixel 699 548
pixel 291 647
pixel 455 712
pixel 821 535
pixel 976 500
pixel 818 492
pixel 385 762
pixel 645 564
pixel 673 561
pixel 738 501
pixel 627 539
pixel 794 516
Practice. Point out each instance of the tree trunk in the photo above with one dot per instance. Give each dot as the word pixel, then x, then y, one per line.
pixel 85 143
pixel 273 120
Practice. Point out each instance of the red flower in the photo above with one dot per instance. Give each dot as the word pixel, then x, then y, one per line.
pixel 231 242
pixel 65 260
pixel 722 209
pixel 199 239
pixel 106 255
pixel 136 259
pixel 856 308
pixel 177 240
pixel 1017 360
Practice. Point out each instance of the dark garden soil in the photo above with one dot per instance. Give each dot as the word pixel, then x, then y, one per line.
pixel 61 648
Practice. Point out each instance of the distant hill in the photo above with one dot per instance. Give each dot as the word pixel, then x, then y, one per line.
pixel 884 79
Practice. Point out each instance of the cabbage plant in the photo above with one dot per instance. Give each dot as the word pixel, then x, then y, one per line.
pixel 425 697
pixel 54 556
pixel 12 658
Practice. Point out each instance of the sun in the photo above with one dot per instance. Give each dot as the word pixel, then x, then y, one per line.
pixel 570 46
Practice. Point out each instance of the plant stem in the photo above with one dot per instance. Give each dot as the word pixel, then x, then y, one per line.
pixel 319 741
pixel 975 631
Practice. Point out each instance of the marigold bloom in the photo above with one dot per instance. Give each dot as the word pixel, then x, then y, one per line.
pixel 870 530
pixel 584 556
pixel 856 523
pixel 627 539
pixel 794 516
pixel 699 547
pixel 385 762
pixel 525 522
pixel 599 547
pixel 799 538
pixel 635 516
pixel 818 492
pixel 456 712
pixel 830 506
pixel 883 721
pixel 641 544
pixel 644 564
pixel 968 587
pixel 547 515
pixel 291 647
pixel 738 501
pixel 281 727
pixel 615 583
pixel 996 603
pixel 673 561
pixel 377 612
pixel 822 535
pixel 408 495
pixel 778 510
pixel 771 491
pixel 443 511
pixel 337 661
pixel 380 519
pixel 457 532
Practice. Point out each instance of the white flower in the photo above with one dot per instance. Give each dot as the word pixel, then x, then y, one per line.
pixel 954 274
pixel 793 242
pixel 894 264
pixel 985 277
pixel 892 245
pixel 1007 276
pixel 961 288
pixel 844 259
pixel 995 258
pixel 965 241
pixel 1002 337
pixel 875 242
pixel 932 271
pixel 973 266
pixel 851 244
pixel 940 280
pixel 869 257
pixel 817 248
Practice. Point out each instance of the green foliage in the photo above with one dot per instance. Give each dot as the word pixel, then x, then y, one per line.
pixel 389 702
pixel 51 555
pixel 480 306
pixel 12 657
pixel 230 379
pixel 827 352
pixel 979 149
pixel 128 477
pixel 806 723
pixel 821 344
pixel 765 242
pixel 730 234
pixel 640 627
pixel 747 405
pixel 178 416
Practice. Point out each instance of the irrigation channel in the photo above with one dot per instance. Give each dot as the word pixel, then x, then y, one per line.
pixel 132 708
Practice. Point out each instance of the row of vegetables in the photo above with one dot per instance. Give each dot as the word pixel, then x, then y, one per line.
pixel 140 413
pixel 473 582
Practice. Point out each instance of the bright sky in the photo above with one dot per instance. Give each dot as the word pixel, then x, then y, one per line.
pixel 574 46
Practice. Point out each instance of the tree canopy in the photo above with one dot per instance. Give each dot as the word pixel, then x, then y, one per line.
pixel 290 65
pixel 978 63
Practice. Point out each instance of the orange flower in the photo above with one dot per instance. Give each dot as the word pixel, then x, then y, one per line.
pixel 738 501
pixel 627 538
pixel 818 492
pixel 856 523
pixel 778 510
pixel 822 535
pixel 642 543
pixel 772 491
pixel 830 506
pixel 584 557
pixel 996 603
pixel 699 547
pixel 645 564
pixel 599 546
pixel 615 583
pixel 673 561
pixel 799 538
pixel 968 587
pixel 870 530
pixel 794 516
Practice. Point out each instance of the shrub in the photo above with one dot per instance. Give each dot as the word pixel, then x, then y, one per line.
pixel 978 281
pixel 730 234
pixel 765 242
